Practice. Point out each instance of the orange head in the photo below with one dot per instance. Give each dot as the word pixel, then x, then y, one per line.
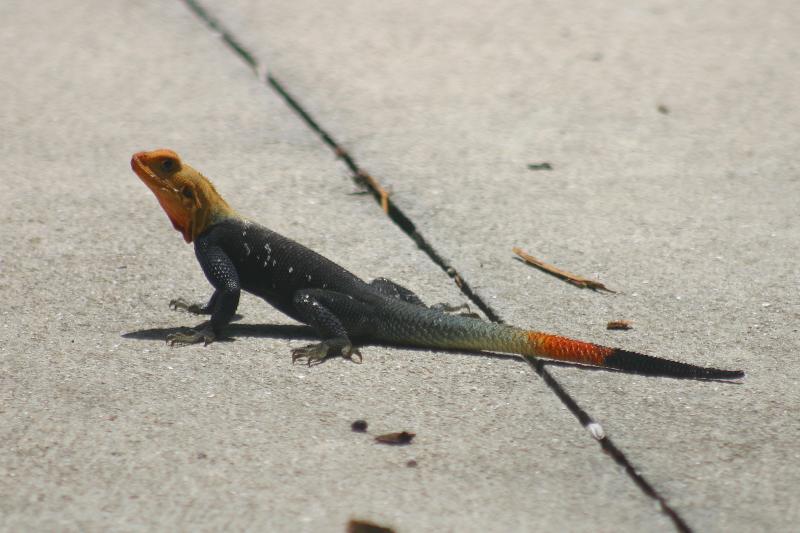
pixel 188 198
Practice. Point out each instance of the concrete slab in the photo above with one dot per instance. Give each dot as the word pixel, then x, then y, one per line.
pixel 669 128
pixel 106 428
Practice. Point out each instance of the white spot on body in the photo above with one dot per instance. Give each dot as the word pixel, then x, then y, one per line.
pixel 267 248
pixel 308 277
pixel 291 269
pixel 246 249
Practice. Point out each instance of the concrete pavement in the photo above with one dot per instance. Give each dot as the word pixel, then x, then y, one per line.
pixel 669 128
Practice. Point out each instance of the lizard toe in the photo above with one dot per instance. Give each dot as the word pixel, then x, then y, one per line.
pixel 180 303
pixel 349 352
pixel 313 354
pixel 192 336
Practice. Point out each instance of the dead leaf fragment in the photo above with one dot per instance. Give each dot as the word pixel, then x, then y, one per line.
pixel 383 194
pixel 362 526
pixel 403 437
pixel 573 279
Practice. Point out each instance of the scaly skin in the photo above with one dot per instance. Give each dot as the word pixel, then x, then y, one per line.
pixel 237 254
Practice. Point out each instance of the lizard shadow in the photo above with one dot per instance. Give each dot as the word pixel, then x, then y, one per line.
pixel 267 331
pixel 291 332
pixel 541 365
pixel 295 332
pixel 488 355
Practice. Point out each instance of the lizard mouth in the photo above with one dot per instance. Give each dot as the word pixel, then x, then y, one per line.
pixel 146 175
pixel 166 194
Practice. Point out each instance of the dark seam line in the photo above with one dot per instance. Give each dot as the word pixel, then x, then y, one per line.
pixel 394 212
pixel 399 218
pixel 608 445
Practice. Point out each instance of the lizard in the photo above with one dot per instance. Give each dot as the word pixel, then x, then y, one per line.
pixel 237 254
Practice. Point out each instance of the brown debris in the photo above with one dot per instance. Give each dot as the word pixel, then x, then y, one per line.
pixel 359 426
pixel 578 281
pixel 373 183
pixel 401 438
pixel 619 324
pixel 362 526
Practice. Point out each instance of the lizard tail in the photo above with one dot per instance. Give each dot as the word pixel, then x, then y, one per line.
pixel 570 350
pixel 407 324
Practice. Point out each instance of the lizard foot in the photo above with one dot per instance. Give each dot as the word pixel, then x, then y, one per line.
pixel 314 354
pixel 463 308
pixel 180 303
pixel 192 336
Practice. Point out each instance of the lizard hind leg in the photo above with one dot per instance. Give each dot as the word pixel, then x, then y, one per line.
pixel 326 312
pixel 391 289
pixel 314 354
pixel 460 310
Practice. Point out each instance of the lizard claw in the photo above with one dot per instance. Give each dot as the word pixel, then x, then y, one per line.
pixel 349 352
pixel 193 336
pixel 314 354
pixel 461 310
pixel 180 303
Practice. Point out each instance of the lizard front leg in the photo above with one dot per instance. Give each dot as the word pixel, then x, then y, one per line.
pixel 222 274
pixel 317 308
pixel 202 333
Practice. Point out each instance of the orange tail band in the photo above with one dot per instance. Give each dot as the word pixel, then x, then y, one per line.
pixel 564 349
pixel 573 351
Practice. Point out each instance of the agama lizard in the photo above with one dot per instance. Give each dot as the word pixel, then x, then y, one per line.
pixel 237 254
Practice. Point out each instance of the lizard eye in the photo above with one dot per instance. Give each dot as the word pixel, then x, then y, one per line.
pixel 168 165
pixel 187 192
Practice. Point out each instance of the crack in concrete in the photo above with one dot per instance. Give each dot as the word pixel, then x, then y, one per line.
pixel 397 216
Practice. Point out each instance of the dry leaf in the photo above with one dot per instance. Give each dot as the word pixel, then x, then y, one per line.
pixel 404 437
pixel 362 526
pixel 578 281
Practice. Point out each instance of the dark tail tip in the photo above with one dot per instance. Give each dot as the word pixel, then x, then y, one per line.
pixel 655 366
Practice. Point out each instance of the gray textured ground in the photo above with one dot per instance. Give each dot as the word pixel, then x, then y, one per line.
pixel 671 129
